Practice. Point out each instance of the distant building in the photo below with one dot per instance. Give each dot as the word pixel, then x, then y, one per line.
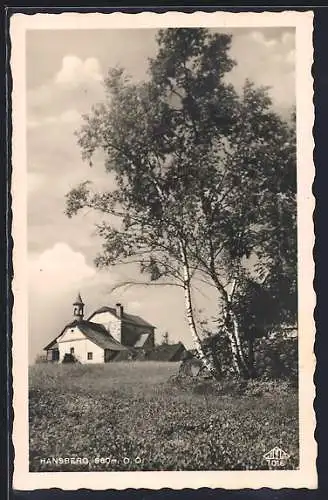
pixel 99 339
pixel 163 352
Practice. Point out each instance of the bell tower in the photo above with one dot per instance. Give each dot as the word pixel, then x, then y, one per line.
pixel 78 307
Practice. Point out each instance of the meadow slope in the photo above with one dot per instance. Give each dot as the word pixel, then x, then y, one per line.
pixel 133 416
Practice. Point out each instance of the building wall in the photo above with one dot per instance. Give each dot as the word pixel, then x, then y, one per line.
pixel 109 321
pixel 74 338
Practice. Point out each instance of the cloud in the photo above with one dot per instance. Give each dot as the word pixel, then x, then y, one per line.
pixel 67 117
pixel 271 64
pixel 77 81
pixel 259 37
pixel 33 123
pixel 60 271
pixel 55 277
pixel 75 71
pixel 134 305
pixel 288 38
pixel 290 57
pixel 34 181
pixel 70 116
pixel 57 268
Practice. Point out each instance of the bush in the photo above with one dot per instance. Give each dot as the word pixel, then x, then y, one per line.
pixel 276 359
pixel 273 358
pixel 41 358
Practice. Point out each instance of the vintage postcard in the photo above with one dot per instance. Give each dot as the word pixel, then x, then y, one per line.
pixel 162 207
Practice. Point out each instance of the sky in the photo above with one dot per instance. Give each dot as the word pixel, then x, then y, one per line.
pixel 64 74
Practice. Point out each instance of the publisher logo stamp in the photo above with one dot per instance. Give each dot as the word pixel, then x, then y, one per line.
pixel 276 457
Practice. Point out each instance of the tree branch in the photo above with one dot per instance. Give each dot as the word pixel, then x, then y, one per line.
pixel 142 283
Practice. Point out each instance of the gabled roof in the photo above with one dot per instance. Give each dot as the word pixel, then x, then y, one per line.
pixel 100 336
pixel 128 318
pixel 95 332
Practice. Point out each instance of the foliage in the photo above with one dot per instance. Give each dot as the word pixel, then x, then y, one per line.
pixel 205 178
pixel 273 358
pixel 277 249
pixel 277 359
pixel 136 410
pixel 256 309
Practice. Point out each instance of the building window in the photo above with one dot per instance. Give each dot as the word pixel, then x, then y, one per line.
pixel 89 355
pixel 72 350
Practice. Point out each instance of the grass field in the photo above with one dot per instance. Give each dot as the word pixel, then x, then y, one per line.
pixel 133 416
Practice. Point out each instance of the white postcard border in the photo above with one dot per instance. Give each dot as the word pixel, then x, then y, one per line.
pixel 306 475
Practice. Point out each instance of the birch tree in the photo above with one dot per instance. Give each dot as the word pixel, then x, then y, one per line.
pixel 195 165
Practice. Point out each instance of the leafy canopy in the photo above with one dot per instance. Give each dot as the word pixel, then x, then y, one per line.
pixel 196 166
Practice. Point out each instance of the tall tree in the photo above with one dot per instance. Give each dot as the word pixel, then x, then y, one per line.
pixel 195 166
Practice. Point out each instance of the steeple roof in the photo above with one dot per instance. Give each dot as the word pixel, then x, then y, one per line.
pixel 78 300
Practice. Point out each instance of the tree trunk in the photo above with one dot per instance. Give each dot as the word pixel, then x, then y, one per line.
pixel 250 342
pixel 232 328
pixel 241 357
pixel 207 362
pixel 234 351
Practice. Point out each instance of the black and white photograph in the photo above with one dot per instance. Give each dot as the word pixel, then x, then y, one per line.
pixel 163 236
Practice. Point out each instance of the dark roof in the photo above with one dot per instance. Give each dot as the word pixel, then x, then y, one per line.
pixel 100 336
pixel 129 335
pixel 129 318
pixel 52 345
pixel 166 352
pixel 94 332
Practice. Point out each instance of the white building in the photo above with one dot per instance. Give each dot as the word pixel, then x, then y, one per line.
pixel 101 337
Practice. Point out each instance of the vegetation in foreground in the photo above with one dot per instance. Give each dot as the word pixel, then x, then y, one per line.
pixel 140 416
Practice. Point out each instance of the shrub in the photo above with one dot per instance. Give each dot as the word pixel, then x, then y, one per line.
pixel 273 358
pixel 276 358
pixel 41 358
